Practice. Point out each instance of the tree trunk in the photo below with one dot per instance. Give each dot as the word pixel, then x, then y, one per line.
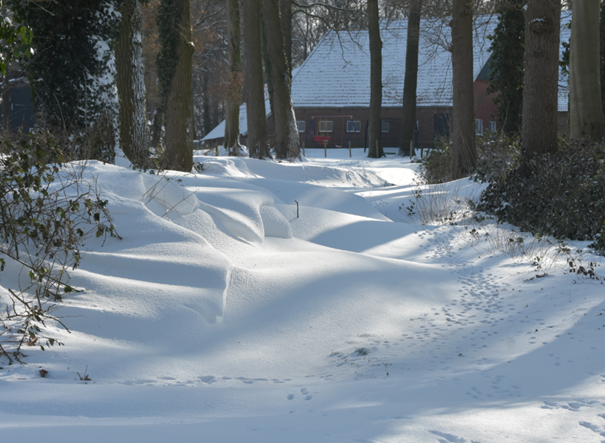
pixel 286 133
pixel 156 129
pixel 375 124
pixel 540 94
pixel 254 89
pixel 130 81
pixel 6 104
pixel 411 79
pixel 179 102
pixel 602 52
pixel 234 96
pixel 285 11
pixel 464 155
pixel 507 75
pixel 586 112
pixel 207 118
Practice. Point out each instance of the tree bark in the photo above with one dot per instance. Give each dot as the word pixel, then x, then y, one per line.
pixel 464 155
pixel 254 87
pixel 602 52
pixel 540 94
pixel 156 129
pixel 234 96
pixel 130 81
pixel 285 11
pixel 286 133
pixel 375 123
pixel 6 104
pixel 410 81
pixel 179 103
pixel 586 112
pixel 206 106
pixel 507 75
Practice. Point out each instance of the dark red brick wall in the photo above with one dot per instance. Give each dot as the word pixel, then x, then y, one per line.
pixel 339 117
pixel 485 109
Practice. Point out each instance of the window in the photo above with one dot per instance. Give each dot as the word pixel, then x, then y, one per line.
pixel 325 126
pixel 479 127
pixel 353 126
pixel 300 125
pixel 385 126
pixel 493 127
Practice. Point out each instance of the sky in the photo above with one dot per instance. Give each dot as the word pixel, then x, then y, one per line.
pixel 324 300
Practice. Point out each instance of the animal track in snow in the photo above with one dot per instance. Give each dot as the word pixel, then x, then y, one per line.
pixel 449 438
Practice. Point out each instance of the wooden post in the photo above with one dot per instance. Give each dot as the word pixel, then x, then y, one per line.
pixel 349 148
pixel 303 149
pixel 411 148
pixel 376 148
pixel 325 148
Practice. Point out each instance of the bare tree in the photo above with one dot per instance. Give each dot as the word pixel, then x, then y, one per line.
pixel 286 14
pixel 464 156
pixel 375 124
pixel 254 89
pixel 234 96
pixel 210 62
pixel 175 64
pixel 586 112
pixel 410 81
pixel 130 80
pixel 286 134
pixel 540 94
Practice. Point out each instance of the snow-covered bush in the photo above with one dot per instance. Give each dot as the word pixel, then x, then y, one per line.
pixel 561 194
pixel 46 211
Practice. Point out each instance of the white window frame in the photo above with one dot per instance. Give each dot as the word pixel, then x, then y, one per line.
pixel 356 126
pixel 384 125
pixel 301 125
pixel 493 126
pixel 478 126
pixel 326 126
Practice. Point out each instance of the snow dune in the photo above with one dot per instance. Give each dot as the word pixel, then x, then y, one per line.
pixel 226 315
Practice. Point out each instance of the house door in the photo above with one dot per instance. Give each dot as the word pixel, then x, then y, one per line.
pixel 441 127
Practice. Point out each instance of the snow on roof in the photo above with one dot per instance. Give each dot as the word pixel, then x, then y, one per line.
pixel 219 131
pixel 337 73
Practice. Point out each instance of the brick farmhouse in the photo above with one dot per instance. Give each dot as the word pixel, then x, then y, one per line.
pixel 331 89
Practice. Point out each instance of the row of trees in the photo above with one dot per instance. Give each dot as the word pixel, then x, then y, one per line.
pixel 76 40
pixel 526 57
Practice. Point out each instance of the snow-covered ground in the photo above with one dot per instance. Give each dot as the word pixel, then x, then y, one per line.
pixel 224 315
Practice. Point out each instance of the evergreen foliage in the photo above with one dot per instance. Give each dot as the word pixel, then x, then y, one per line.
pixel 507 75
pixel 47 211
pixel 558 194
pixel 16 42
pixel 70 69
pixel 169 22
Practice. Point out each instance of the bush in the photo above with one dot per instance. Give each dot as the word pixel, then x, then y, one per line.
pixel 46 211
pixel 561 194
pixel 437 163
pixel 496 154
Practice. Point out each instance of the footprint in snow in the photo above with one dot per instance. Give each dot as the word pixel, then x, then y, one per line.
pixel 305 392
